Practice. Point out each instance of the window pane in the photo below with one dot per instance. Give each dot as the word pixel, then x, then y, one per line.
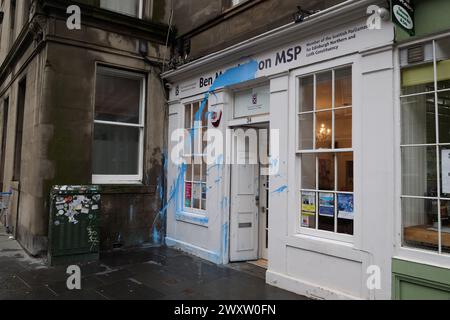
pixel 326 171
pixel 196 115
pixel 444 116
pixel 443 63
pixel 196 195
pixel 306 94
pixel 306 131
pixel 324 130
pixel 188 194
pixel 115 150
pixel 343 87
pixel 189 168
pixel 308 210
pixel 117 98
pixel 418 79
pixel 308 171
pixel 326 211
pixel 129 7
pixel 420 223
pixel 205 116
pixel 343 128
pixel 197 169
pixel 324 91
pixel 445 171
pixel 418 119
pixel 346 214
pixel 419 176
pixel 204 174
pixel 445 229
pixel 187 117
pixel 345 171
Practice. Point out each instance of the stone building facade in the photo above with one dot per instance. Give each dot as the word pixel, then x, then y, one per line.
pixel 84 107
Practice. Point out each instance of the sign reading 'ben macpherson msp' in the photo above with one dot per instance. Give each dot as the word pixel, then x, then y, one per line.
pixel 347 39
pixel 403 15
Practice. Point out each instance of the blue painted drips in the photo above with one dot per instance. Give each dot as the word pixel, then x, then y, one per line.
pixel 281 189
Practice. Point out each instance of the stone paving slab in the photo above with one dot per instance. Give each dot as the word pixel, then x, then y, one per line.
pixel 158 273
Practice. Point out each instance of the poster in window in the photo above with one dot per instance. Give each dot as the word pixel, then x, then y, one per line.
pixel 197 191
pixel 345 207
pixel 188 194
pixel 305 222
pixel 309 203
pixel 446 171
pixel 326 204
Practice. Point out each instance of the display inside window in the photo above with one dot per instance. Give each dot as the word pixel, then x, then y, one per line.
pixel 425 152
pixel 326 157
pixel 195 188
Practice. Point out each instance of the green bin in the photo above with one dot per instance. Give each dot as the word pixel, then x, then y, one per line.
pixel 74 234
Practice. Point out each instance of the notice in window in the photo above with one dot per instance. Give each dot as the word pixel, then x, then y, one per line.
pixel 326 204
pixel 309 203
pixel 345 207
pixel 445 171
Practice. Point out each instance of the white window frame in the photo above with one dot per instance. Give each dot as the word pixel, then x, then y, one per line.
pixel 125 179
pixel 140 13
pixel 197 212
pixel 297 230
pixel 402 251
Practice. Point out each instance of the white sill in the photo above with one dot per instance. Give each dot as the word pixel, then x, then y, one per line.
pixel 192 218
pixel 326 235
pixel 423 257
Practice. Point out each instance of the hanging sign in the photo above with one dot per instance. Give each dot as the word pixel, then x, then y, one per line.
pixel 403 15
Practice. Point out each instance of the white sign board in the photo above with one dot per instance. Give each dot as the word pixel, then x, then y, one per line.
pixel 446 171
pixel 252 102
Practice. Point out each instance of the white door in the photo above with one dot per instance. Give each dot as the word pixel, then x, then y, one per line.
pixel 244 208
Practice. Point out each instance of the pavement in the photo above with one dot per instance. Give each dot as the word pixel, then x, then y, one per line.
pixel 156 273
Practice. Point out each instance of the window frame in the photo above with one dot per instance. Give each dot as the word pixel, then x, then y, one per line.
pixel 140 11
pixel 123 179
pixel 191 210
pixel 337 64
pixel 409 251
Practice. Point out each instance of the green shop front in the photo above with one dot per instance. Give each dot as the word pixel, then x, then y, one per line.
pixel 421 265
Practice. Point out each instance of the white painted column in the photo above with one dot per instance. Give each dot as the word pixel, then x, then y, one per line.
pixel 279 184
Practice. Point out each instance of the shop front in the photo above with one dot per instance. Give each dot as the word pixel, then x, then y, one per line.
pixel 421 265
pixel 281 151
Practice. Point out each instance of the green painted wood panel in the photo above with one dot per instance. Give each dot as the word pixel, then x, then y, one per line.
pixel 416 281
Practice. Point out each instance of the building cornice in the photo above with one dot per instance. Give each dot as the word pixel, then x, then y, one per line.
pixel 350 10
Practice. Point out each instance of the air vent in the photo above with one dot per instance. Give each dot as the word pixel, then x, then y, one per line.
pixel 416 54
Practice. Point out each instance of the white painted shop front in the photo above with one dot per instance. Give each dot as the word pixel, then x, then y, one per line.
pixel 325 214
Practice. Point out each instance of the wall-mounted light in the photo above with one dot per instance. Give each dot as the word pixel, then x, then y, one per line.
pixel 301 14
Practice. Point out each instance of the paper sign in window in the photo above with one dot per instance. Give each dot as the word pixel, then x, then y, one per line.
pixel 446 171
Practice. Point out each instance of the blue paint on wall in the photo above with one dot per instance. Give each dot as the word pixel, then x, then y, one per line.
pixel 281 189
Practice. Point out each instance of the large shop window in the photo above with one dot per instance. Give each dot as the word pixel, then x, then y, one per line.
pixel 128 7
pixel 195 188
pixel 425 146
pixel 325 151
pixel 118 127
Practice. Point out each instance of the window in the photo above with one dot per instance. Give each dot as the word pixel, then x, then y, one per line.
pixel 128 7
pixel 196 126
pixel 4 136
pixel 19 130
pixel 325 151
pixel 118 127
pixel 228 4
pixel 425 148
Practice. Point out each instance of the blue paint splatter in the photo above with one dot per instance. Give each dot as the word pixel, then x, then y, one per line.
pixel 281 189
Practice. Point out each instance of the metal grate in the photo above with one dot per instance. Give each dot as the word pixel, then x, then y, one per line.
pixel 416 54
